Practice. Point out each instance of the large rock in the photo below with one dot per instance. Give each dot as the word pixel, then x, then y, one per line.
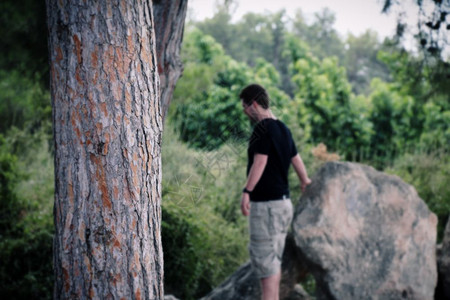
pixel 366 235
pixel 443 261
pixel 244 285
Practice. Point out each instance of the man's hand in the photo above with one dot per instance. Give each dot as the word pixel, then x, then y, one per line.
pixel 305 183
pixel 245 204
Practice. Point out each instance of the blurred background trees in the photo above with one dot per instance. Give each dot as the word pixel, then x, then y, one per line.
pixel 368 100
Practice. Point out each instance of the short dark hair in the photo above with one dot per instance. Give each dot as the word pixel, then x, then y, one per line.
pixel 255 92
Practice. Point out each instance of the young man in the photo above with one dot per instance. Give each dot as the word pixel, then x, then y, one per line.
pixel 265 196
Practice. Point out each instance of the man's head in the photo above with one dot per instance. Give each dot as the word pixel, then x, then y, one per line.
pixel 254 92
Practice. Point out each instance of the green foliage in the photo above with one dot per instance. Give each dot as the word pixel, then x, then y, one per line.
pixel 207 123
pixel 335 117
pixel 310 76
pixel 200 48
pixel 204 237
pixel 362 63
pixel 26 217
pixel 23 45
pixel 436 133
pixel 323 39
pixel 392 117
pixel 9 178
pixel 429 174
pixel 269 35
pixel 24 103
pixel 26 188
pixel 26 269
pixel 211 114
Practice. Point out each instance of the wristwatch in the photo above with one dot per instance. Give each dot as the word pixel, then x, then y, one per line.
pixel 246 191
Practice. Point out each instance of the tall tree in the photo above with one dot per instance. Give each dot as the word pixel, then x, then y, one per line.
pixel 361 61
pixel 107 121
pixel 433 22
pixel 23 30
pixel 323 39
pixel 432 35
pixel 169 27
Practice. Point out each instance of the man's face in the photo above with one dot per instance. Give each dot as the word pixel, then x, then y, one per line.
pixel 248 110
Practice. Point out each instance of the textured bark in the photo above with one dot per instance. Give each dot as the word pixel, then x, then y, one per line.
pixel 107 130
pixel 169 27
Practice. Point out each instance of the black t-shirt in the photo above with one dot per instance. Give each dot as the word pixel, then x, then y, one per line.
pixel 273 138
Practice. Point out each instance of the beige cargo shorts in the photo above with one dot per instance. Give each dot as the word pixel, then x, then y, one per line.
pixel 269 223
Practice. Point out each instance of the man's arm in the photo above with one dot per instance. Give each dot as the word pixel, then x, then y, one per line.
pixel 256 171
pixel 300 169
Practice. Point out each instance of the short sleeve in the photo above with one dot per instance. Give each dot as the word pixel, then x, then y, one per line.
pixel 261 141
pixel 293 148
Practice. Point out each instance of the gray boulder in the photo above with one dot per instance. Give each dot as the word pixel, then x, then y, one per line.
pixel 443 261
pixel 244 285
pixel 366 235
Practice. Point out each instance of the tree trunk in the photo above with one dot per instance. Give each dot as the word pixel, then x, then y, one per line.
pixel 107 129
pixel 169 27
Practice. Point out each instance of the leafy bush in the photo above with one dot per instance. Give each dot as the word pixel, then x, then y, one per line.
pixel 392 116
pixel 430 175
pixel 9 178
pixel 204 239
pixel 24 103
pixel 26 231
pixel 335 116
pixel 208 111
pixel 436 133
pixel 26 269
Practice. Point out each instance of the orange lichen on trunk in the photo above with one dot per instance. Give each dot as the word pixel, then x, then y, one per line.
pixel 127 102
pixel 66 279
pixel 115 192
pixel 99 127
pixel 100 177
pixel 75 120
pixel 70 193
pixel 87 263
pixel 77 42
pixel 121 70
pixel 78 76
pixel 95 78
pixel 116 243
pixel 116 279
pixel 130 45
pixel 94 58
pixel 59 55
pixel 135 175
pixel 145 52
pixel 104 109
pixel 138 294
pixel 108 64
pixel 106 145
pixel 82 232
pixel 105 195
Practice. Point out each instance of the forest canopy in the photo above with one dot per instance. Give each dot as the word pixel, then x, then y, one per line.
pixel 365 99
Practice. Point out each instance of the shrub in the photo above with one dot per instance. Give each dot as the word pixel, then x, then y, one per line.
pixel 430 175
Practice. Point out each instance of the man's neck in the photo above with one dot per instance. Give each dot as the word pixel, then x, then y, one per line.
pixel 265 114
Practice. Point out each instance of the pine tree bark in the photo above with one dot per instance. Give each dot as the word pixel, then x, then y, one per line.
pixel 169 28
pixel 107 130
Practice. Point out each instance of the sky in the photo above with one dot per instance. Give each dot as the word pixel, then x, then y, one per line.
pixel 352 16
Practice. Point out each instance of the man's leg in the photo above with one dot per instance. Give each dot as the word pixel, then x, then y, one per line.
pixel 271 287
